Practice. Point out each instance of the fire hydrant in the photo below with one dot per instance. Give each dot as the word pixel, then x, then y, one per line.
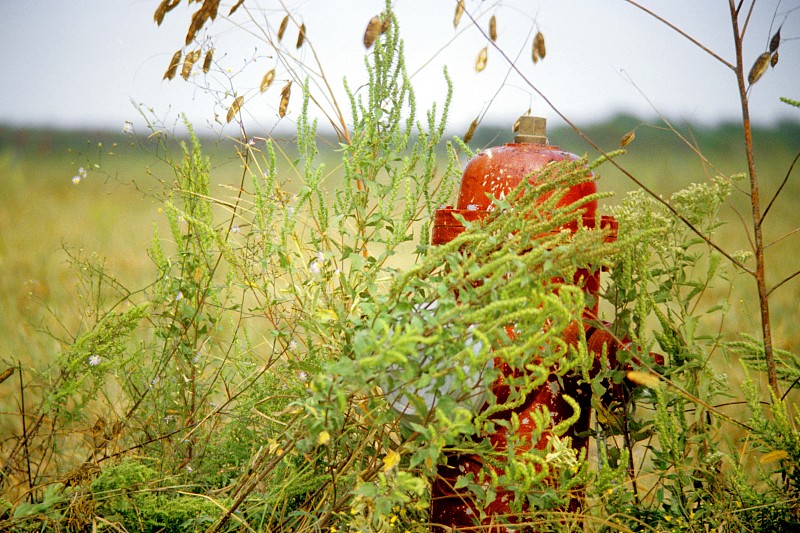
pixel 497 172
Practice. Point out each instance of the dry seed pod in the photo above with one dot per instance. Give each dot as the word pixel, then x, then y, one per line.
pixel 207 11
pixel 188 62
pixel 775 42
pixel 773 60
pixel 480 62
pixel 235 7
pixel 7 373
pixel 534 53
pixel 627 138
pixel 386 23
pixel 301 37
pixel 759 67
pixel 266 81
pixel 773 456
pixel 285 93
pixel 212 6
pixel 493 28
pixel 515 127
pixel 538 45
pixel 471 131
pixel 459 12
pixel 207 60
pixel 173 66
pixel 234 108
pixel 163 8
pixel 282 27
pixel 372 32
pixel 648 379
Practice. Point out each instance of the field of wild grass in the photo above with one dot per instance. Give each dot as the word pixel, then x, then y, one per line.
pixel 49 221
pixel 72 196
pixel 111 213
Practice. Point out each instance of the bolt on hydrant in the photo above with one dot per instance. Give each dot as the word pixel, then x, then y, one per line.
pixel 496 172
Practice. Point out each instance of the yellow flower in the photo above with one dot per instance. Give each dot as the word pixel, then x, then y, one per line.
pixel 323 438
pixel 390 461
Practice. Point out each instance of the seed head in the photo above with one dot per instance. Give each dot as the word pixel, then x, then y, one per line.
pixel 459 12
pixel 759 67
pixel 282 27
pixel 234 108
pixel 188 62
pixel 480 62
pixel 471 131
pixel 163 8
pixel 373 30
pixel 208 59
pixel 775 42
pixel 285 94
pixel 266 81
pixel 538 46
pixel 235 7
pixel 173 66
pixel 627 138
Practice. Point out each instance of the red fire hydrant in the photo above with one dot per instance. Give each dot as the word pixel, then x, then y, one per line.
pixel 497 172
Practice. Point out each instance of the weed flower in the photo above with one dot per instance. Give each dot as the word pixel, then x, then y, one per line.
pixel 76 179
pixel 95 360
pixel 127 127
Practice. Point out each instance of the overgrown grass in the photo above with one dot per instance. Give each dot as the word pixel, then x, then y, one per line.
pixel 242 440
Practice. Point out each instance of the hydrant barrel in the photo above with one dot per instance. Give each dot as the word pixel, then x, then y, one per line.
pixel 499 170
pixel 495 173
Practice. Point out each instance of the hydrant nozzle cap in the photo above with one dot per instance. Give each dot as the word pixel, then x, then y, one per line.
pixel 531 130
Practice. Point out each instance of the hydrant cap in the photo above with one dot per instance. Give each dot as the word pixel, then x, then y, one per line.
pixel 531 130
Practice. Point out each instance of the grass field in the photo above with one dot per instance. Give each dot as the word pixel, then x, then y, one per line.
pixel 53 224
pixel 110 215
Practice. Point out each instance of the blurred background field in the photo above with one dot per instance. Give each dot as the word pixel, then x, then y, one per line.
pixel 110 214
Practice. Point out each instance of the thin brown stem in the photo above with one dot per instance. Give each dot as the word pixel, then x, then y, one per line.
pixel 784 280
pixel 758 240
pixel 779 239
pixel 25 431
pixel 747 20
pixel 682 34
pixel 778 192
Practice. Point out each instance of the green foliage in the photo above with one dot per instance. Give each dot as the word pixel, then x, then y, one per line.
pixel 666 296
pixel 794 103
pixel 304 358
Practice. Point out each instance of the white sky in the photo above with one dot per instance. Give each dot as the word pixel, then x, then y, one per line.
pixel 81 63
